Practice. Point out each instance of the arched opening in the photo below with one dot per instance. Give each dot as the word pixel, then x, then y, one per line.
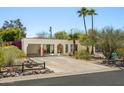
pixel 60 48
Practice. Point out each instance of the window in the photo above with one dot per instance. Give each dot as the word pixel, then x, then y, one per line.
pixel 66 48
pixel 71 47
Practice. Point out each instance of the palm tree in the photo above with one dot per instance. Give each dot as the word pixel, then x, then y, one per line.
pixel 92 12
pixel 74 36
pixel 83 12
pixel 92 36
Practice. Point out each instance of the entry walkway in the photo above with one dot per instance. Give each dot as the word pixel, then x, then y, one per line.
pixel 65 64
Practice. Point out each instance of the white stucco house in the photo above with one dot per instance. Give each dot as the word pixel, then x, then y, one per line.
pixel 39 47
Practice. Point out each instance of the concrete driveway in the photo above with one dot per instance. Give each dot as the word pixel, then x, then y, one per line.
pixel 65 64
pixel 62 66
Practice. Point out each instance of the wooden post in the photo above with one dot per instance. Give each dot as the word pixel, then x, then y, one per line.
pixel 22 67
pixel 44 65
pixel 0 69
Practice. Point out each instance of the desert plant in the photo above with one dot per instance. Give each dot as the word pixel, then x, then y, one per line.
pixel 74 36
pixel 92 37
pixel 110 40
pixel 120 52
pixel 10 53
pixel 2 58
pixel 84 12
pixel 82 54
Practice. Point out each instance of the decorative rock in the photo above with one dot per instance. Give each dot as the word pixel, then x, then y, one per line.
pixel 33 72
pixel 8 74
pixel 19 71
pixel 27 73
pixel 17 74
pixel 43 71
pixel 13 74
pixel 1 76
pixel 21 74
pixel 37 71
pixel 5 74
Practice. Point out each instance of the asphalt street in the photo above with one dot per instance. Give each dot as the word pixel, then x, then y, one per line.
pixel 111 78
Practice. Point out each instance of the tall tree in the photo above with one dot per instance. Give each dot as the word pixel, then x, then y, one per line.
pixel 61 35
pixel 10 34
pixel 15 24
pixel 92 12
pixel 84 12
pixel 92 35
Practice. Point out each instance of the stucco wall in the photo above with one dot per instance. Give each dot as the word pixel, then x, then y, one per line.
pixel 26 42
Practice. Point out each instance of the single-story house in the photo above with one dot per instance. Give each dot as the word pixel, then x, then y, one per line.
pixel 40 47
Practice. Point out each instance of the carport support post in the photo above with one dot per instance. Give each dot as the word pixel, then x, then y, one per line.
pixel 41 50
pixel 55 49
pixel 64 49
pixel 24 48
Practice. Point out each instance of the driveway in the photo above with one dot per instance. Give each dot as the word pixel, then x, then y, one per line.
pixel 65 64
pixel 62 66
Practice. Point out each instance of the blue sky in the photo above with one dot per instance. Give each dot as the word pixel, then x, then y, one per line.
pixel 61 18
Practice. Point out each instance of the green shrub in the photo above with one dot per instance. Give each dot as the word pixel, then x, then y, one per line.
pixel 82 54
pixel 10 53
pixel 120 52
pixel 2 58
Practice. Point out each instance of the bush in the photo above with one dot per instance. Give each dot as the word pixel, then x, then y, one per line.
pixel 10 53
pixel 120 52
pixel 82 54
pixel 110 40
pixel 2 59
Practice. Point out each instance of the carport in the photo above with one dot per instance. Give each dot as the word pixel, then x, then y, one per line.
pixel 33 49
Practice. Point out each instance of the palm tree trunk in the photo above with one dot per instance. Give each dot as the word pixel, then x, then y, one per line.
pixel 85 31
pixel 87 48
pixel 85 25
pixel 92 22
pixel 92 50
pixel 73 46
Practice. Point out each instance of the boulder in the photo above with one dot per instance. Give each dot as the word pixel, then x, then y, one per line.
pixel 28 73
pixel 4 74
pixel 1 75
pixel 13 74
pixel 43 71
pixel 17 74
pixel 37 71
